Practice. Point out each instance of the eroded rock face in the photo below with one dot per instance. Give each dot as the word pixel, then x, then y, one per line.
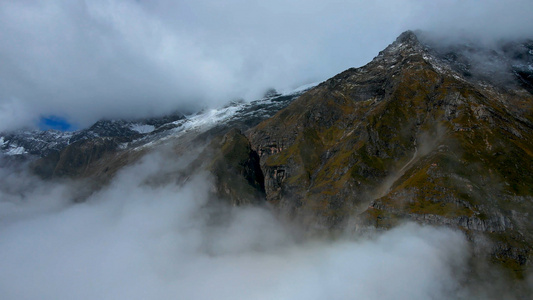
pixel 235 167
pixel 407 136
pixel 338 141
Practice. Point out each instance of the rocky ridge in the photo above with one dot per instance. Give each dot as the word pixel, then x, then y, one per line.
pixel 408 136
pixel 102 149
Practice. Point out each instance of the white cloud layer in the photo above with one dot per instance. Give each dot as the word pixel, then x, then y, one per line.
pixel 132 241
pixel 85 60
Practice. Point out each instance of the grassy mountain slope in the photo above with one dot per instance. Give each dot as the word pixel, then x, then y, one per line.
pixel 406 137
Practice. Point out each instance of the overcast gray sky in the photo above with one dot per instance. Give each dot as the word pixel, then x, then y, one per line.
pixel 85 60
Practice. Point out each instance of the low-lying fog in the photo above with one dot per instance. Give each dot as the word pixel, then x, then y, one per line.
pixel 134 241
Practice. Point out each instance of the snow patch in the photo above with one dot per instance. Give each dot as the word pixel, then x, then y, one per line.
pixel 11 148
pixel 301 88
pixel 211 117
pixel 14 150
pixel 124 146
pixel 142 128
pixel 202 121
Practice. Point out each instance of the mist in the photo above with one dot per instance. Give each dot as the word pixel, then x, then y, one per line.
pixel 87 60
pixel 131 240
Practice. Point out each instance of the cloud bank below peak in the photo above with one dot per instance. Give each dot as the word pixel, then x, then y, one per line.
pixel 86 60
pixel 135 241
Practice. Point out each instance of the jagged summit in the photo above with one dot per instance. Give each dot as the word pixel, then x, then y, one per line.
pixel 408 36
pixel 408 40
pixel 405 44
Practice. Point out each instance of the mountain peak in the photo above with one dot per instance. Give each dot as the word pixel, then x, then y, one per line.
pixel 408 36
pixel 407 41
pixel 406 44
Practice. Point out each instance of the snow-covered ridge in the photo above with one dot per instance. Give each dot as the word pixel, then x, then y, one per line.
pixel 142 133
pixel 301 88
pixel 11 149
pixel 33 142
pixel 230 115
pixel 142 128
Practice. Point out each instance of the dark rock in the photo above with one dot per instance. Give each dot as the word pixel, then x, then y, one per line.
pixel 418 133
pixel 76 158
pixel 235 167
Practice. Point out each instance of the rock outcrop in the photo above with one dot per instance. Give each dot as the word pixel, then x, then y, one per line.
pixel 235 168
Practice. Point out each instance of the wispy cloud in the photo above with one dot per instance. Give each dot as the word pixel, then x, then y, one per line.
pixel 135 241
pixel 85 60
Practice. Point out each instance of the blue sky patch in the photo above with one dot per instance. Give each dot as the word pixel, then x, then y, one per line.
pixel 55 122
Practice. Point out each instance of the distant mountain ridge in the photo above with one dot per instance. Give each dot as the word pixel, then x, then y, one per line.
pixel 39 143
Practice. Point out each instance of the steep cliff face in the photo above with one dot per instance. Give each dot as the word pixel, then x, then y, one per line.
pixel 235 167
pixel 406 137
